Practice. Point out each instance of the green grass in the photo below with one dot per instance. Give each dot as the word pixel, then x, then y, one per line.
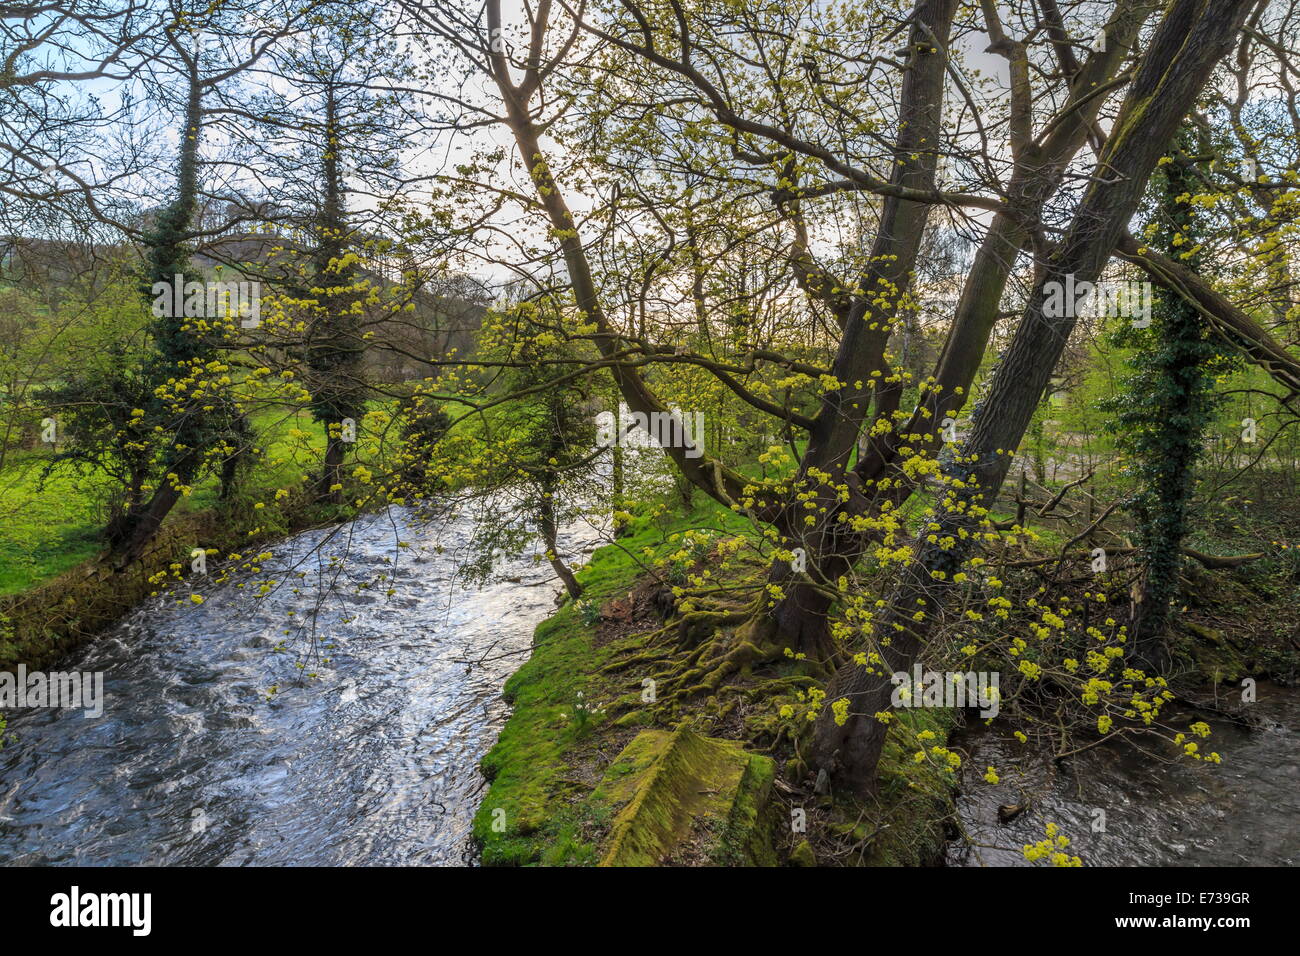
pixel 52 521
pixel 49 525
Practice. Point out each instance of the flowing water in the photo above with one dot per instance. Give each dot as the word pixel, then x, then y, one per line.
pixel 1125 806
pixel 374 760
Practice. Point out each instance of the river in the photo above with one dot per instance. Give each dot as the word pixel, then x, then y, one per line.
pixel 1121 805
pixel 374 760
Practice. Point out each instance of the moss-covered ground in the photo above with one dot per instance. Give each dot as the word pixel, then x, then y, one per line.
pixel 582 697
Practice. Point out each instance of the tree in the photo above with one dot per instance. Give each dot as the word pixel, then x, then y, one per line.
pixel 187 403
pixel 1185 49
pixel 814 141
pixel 540 448
pixel 173 415
pixel 336 135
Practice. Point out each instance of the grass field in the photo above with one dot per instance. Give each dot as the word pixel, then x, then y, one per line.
pixel 51 520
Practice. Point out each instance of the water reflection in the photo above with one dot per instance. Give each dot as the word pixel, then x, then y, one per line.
pixel 375 761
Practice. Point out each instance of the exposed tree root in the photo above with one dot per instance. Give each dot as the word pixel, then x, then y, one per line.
pixel 725 655
pixel 775 685
pixel 697 626
pixel 648 657
pixel 708 654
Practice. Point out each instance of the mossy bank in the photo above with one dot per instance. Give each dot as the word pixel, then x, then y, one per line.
pixel 593 767
pixel 584 773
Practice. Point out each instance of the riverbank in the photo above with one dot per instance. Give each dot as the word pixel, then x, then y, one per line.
pixel 45 623
pixel 334 719
pixel 57 590
pixel 593 759
pixel 600 760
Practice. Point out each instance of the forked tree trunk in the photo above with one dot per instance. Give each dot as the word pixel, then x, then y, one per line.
pixel 824 466
pixel 1191 39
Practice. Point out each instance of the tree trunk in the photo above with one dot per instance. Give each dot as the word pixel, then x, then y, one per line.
pixel 168 256
pixel 617 465
pixel 229 472
pixel 831 443
pixel 550 537
pixel 331 472
pixel 800 620
pixel 1179 380
pixel 141 524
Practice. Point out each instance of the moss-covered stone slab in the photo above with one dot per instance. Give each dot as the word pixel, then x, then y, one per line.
pixel 679 796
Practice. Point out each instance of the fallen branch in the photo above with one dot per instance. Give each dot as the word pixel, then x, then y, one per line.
pixel 1210 561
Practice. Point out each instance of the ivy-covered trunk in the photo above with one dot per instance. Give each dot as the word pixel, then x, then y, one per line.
pixel 177 345
pixel 334 347
pixel 1166 406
